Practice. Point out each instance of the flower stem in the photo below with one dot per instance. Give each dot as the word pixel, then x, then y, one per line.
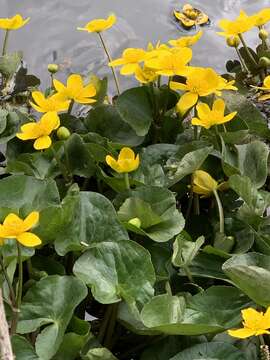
pixel 220 212
pixel 5 43
pixel 244 66
pixel 70 107
pixel 110 59
pixel 11 291
pixel 188 273
pixel 19 292
pixel 126 178
pixel 247 50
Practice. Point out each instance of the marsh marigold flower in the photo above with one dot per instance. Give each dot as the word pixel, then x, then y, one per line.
pixel 204 184
pixel 255 323
pixel 98 25
pixel 191 16
pixel 262 17
pixel 186 41
pixel 170 63
pixel 238 26
pixel 208 117
pixel 75 90
pixel 145 75
pixel 52 103
pixel 40 131
pixel 14 227
pixel 129 61
pixel 265 88
pixel 199 82
pixel 13 23
pixel 126 162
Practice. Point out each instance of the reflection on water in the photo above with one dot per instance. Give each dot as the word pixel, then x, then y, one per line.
pixel 53 28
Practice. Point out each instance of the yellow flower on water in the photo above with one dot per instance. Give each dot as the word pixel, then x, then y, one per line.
pixel 265 87
pixel 14 227
pixel 203 184
pixel 208 117
pixel 40 131
pixel 52 103
pixel 199 82
pixel 186 41
pixel 238 26
pixel 98 25
pixel 191 16
pixel 255 323
pixel 170 63
pixel 75 90
pixel 145 75
pixel 14 23
pixel 262 17
pixel 126 161
pixel 129 61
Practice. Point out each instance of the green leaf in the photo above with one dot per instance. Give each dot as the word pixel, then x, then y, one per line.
pixel 50 303
pixel 210 351
pixel 255 200
pixel 252 161
pixel 3 120
pixel 251 273
pixel 156 209
pixel 87 218
pixel 185 250
pixel 13 121
pixel 22 349
pixel 135 108
pixel 200 314
pixel 9 63
pixel 106 121
pixel 190 162
pixel 99 354
pixel 117 270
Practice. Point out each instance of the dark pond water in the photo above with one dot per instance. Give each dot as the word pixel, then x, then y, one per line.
pixel 53 28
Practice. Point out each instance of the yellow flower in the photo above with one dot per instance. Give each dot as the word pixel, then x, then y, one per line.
pixel 204 184
pixel 75 90
pixel 98 25
pixel 265 87
pixel 235 27
pixel 15 228
pixel 145 75
pixel 14 23
pixel 126 161
pixel 262 17
pixel 199 82
pixel 208 117
pixel 52 103
pixel 191 16
pixel 226 85
pixel 255 323
pixel 40 130
pixel 129 61
pixel 186 41
pixel 170 63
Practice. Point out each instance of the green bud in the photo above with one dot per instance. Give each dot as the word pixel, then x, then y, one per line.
pixel 53 68
pixel 63 133
pixel 135 222
pixel 263 34
pixel 264 62
pixel 233 41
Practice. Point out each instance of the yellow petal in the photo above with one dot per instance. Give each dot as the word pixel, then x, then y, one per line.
pixel 31 220
pixel 113 164
pixel 43 142
pixel 219 106
pixel 177 86
pixel 128 69
pixel 264 97
pixel 12 219
pixel 117 62
pixel 203 111
pixel 126 153
pixel 241 333
pixel 28 239
pixel 58 85
pixel 186 102
pixel 199 122
pixel 50 121
pixel 204 180
pixel 229 117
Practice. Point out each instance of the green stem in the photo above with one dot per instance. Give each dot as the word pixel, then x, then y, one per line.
pixel 220 212
pixel 108 341
pixel 247 50
pixel 261 339
pixel 244 66
pixel 159 81
pixel 70 107
pixel 126 178
pixel 110 59
pixel 104 323
pixel 11 291
pixel 5 43
pixel 19 291
pixel 188 274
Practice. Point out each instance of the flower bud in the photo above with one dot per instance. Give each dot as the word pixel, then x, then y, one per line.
pixel 233 41
pixel 53 68
pixel 263 34
pixel 135 222
pixel 264 62
pixel 63 133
